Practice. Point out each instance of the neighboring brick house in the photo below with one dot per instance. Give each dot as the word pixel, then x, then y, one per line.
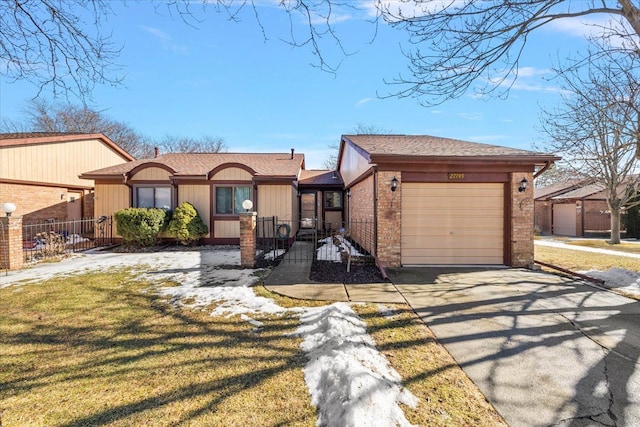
pixel 438 201
pixel 39 172
pixel 575 208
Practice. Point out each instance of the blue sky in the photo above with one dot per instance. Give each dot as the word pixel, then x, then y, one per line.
pixel 223 79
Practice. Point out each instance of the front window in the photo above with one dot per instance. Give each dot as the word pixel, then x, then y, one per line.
pixel 229 199
pixel 153 197
pixel 333 199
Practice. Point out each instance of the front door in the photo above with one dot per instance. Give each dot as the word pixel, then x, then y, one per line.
pixel 307 210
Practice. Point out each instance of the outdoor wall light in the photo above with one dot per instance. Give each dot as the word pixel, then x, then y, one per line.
pixel 8 208
pixel 523 185
pixel 394 184
pixel 247 205
pixel 348 193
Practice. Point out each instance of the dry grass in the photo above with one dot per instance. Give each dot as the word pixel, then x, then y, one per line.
pixel 633 248
pixel 578 260
pixel 447 396
pixel 96 349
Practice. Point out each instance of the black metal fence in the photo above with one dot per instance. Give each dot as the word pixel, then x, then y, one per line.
pixel 280 240
pixel 50 239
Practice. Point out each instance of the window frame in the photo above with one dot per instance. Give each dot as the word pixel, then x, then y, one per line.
pixel 326 199
pixel 234 203
pixel 136 203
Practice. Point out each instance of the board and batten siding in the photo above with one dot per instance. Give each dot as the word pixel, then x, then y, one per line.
pixel 151 174
pixel 352 165
pixel 232 174
pixel 200 197
pixel 226 229
pixel 276 200
pixel 58 163
pixel 452 223
pixel 109 199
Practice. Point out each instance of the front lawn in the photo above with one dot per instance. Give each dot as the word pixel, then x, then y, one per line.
pixel 577 260
pixel 103 348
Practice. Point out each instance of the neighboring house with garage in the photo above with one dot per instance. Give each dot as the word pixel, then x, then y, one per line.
pixel 39 172
pixel 438 201
pixel 575 208
pixel 215 183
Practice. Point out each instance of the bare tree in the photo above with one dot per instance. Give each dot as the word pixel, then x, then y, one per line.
pixel 457 43
pixel 597 127
pixel 45 117
pixel 185 144
pixel 559 173
pixel 57 44
pixel 331 162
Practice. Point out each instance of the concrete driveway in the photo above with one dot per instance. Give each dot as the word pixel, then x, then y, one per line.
pixel 545 350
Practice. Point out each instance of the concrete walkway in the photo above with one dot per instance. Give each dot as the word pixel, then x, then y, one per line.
pixel 544 349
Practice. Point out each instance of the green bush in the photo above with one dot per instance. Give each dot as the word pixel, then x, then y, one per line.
pixel 141 226
pixel 186 224
pixel 631 222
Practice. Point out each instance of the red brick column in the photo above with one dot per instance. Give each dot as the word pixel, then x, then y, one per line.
pixel 248 239
pixel 11 255
pixel 389 217
pixel 522 213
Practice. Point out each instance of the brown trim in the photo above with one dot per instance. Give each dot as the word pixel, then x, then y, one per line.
pixel 120 179
pixel 149 182
pixel 223 217
pixel 456 167
pixel 44 184
pixel 366 174
pixel 223 166
pixel 274 180
pixel 41 140
pixel 219 183
pixel 489 177
pixel 507 224
pixel 505 159
pixel 221 240
pixel 144 166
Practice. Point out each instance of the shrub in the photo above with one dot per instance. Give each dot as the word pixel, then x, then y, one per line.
pixel 631 222
pixel 141 226
pixel 186 224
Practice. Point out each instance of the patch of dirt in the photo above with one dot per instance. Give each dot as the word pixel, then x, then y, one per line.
pixel 336 272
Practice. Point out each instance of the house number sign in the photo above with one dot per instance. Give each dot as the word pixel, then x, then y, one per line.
pixel 456 176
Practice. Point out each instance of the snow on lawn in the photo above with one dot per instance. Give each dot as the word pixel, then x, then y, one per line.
pixel 350 382
pixel 618 279
pixel 614 278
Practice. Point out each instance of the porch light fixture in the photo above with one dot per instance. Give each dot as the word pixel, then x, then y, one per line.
pixel 523 185
pixel 348 193
pixel 8 208
pixel 394 184
pixel 247 205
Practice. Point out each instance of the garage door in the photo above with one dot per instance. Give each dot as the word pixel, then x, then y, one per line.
pixel 452 223
pixel 564 219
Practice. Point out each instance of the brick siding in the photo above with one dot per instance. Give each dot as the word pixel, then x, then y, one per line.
pixel 389 219
pixel 11 254
pixel 248 239
pixel 522 217
pixel 360 208
pixel 37 203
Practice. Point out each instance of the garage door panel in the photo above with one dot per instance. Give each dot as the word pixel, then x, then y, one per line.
pixel 451 242
pixel 564 219
pixel 452 223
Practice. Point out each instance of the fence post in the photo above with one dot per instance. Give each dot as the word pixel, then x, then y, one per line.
pixel 248 239
pixel 11 256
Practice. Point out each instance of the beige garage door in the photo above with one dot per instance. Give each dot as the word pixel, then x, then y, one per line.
pixel 564 219
pixel 447 223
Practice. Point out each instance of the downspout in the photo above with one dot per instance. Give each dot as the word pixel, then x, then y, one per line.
pixel 547 165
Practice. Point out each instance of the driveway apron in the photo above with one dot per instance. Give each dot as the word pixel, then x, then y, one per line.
pixel 544 349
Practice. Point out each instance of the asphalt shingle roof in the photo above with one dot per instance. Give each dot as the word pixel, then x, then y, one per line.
pixel 320 177
pixel 200 164
pixel 431 146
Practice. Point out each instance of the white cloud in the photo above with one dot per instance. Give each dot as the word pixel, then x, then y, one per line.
pixel 364 101
pixel 472 116
pixel 166 41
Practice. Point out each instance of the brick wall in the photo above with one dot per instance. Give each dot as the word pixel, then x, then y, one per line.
pixel 522 213
pixel 597 216
pixel 88 200
pixel 35 203
pixel 389 218
pixel 11 254
pixel 248 239
pixel 360 208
